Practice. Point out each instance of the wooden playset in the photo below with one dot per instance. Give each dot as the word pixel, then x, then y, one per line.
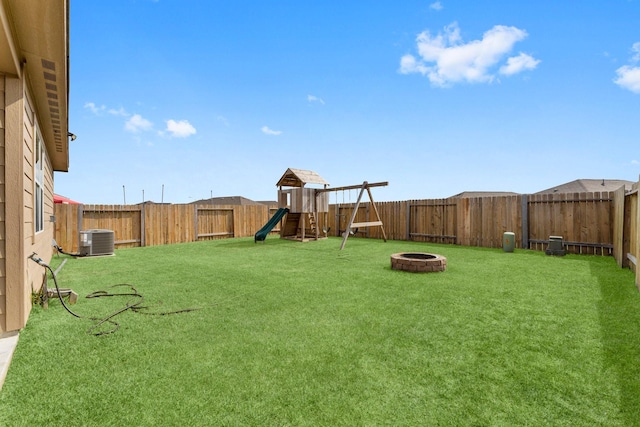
pixel 300 206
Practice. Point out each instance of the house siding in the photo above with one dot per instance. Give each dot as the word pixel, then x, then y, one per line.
pixel 12 258
pixel 40 242
pixel 34 57
pixel 19 276
pixel 3 245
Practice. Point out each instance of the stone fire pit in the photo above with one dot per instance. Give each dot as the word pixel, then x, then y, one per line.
pixel 418 262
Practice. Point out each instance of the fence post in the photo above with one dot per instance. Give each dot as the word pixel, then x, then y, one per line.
pixel 142 226
pixel 618 227
pixel 525 222
pixel 637 249
pixel 195 223
pixel 408 219
pixel 235 221
pixel 79 225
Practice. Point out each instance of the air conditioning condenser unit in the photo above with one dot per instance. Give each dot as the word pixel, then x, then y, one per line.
pixel 96 242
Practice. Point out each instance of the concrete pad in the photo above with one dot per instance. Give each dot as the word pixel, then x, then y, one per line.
pixel 8 343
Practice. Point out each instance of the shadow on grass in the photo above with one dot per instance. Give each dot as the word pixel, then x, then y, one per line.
pixel 619 312
pixel 249 242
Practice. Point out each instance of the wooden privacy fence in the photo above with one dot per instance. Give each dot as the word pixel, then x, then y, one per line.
pixel 590 223
pixel 604 223
pixel 584 220
pixel 625 230
pixel 158 224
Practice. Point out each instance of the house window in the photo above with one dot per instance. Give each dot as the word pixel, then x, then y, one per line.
pixel 38 174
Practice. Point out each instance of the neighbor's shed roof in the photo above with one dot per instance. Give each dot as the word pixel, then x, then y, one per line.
pixel 227 200
pixel 589 185
pixel 299 177
pixel 473 194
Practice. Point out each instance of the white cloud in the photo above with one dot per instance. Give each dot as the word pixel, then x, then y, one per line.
pixel 446 60
pixel 137 123
pixel 99 110
pixel 119 112
pixel 180 129
pixel 628 78
pixel 94 108
pixel 635 162
pixel 517 64
pixel 636 52
pixel 409 64
pixel 312 98
pixel 436 6
pixel 267 131
pixel 629 75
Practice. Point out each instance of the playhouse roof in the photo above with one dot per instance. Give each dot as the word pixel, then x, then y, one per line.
pixel 299 177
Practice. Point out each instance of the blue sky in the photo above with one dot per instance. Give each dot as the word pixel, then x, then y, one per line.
pixel 219 98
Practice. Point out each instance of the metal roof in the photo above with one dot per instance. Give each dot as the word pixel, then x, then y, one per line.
pixel 299 178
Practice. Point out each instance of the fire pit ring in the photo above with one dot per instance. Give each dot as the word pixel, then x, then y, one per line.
pixel 418 262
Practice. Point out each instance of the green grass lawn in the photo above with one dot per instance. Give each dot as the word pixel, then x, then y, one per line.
pixel 304 334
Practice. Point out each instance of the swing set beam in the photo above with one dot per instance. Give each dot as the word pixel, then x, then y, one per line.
pixel 352 187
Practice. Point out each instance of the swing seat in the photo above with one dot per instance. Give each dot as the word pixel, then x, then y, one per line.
pixel 366 224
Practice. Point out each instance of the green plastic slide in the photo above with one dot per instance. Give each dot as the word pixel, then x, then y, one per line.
pixel 264 231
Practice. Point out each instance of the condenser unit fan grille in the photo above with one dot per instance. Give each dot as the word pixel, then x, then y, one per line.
pixel 96 242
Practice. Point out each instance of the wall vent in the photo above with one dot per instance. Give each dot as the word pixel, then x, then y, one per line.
pixel 96 242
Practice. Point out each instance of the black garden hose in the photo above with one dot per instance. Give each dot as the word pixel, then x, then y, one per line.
pixel 59 249
pixel 134 304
